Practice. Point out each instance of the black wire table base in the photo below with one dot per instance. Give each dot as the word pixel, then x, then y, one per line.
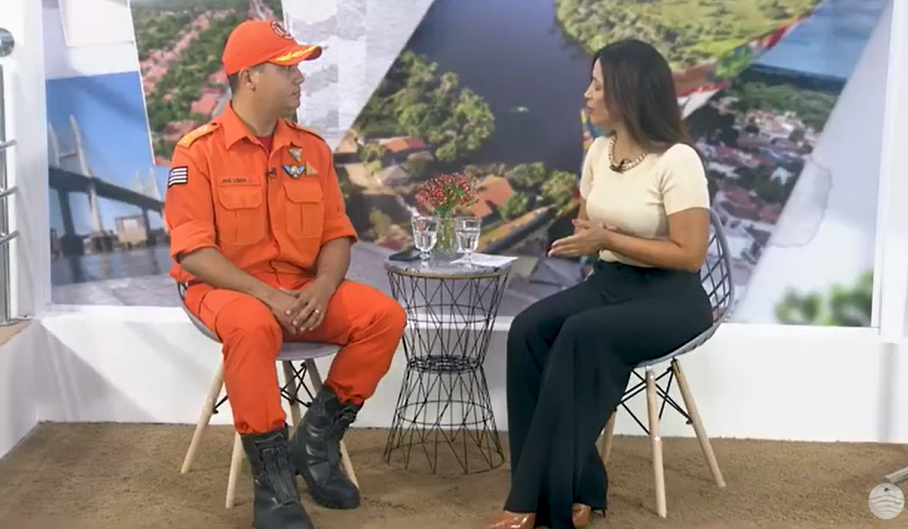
pixel 443 421
pixel 444 412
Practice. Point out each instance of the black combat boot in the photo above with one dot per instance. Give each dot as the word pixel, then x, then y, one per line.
pixel 276 502
pixel 316 451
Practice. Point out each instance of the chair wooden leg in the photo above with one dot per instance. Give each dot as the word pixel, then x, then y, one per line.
pixel 292 388
pixel 236 460
pixel 316 380
pixel 604 443
pixel 347 464
pixel 655 436
pixel 697 422
pixel 207 410
pixel 314 375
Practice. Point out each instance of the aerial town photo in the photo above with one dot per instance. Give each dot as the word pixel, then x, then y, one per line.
pixel 510 116
pixel 179 44
pixel 495 90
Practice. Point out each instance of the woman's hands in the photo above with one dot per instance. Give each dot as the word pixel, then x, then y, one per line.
pixel 590 238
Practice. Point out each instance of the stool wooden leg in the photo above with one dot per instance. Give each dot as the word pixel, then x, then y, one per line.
pixel 655 436
pixel 697 422
pixel 292 388
pixel 235 460
pixel 604 443
pixel 347 464
pixel 314 375
pixel 207 410
pixel 316 380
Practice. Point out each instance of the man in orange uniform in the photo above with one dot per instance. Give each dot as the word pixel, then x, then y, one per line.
pixel 261 238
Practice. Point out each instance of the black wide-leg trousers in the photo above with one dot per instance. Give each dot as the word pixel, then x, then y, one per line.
pixel 570 357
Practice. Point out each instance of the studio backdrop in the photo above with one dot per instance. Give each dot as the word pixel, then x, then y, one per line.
pixel 779 95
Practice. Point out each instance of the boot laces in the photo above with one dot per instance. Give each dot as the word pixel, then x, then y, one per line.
pixel 277 472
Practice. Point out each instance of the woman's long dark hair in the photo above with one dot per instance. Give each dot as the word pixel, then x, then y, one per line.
pixel 640 92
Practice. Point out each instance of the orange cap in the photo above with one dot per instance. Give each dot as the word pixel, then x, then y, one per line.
pixel 254 42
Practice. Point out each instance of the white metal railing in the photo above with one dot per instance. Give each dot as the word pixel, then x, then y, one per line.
pixel 6 192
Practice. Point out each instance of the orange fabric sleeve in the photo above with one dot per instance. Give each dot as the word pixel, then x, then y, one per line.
pixel 337 223
pixel 188 207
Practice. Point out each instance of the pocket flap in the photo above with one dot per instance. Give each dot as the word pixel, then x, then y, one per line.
pixel 240 197
pixel 304 191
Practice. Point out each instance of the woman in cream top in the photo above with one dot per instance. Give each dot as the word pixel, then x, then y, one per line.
pixel 638 201
pixel 645 211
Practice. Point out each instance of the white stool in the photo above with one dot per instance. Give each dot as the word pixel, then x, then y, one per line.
pixel 305 352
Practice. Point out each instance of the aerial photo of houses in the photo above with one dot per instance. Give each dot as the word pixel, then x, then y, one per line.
pixel 179 44
pixel 496 92
pixel 495 89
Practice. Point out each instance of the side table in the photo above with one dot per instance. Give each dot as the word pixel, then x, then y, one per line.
pixel 444 398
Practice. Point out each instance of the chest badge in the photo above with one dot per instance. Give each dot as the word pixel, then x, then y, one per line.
pixel 295 171
pixel 310 170
pixel 297 154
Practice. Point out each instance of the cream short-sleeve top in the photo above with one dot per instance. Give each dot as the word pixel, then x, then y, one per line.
pixel 638 202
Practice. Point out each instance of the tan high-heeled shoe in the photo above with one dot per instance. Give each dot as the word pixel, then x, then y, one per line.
pixel 580 515
pixel 511 520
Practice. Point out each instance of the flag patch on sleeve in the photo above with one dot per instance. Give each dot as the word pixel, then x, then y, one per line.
pixel 177 176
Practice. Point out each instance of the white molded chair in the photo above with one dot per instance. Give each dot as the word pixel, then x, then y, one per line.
pixel 294 380
pixel 717 282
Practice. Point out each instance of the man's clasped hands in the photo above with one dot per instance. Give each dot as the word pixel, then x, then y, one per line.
pixel 301 310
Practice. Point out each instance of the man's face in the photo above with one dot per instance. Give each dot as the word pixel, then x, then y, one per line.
pixel 276 88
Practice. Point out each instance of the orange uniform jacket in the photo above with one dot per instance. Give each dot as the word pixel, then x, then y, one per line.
pixel 267 212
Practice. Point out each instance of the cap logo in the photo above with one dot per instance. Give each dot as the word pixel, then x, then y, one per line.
pixel 280 31
pixel 293 55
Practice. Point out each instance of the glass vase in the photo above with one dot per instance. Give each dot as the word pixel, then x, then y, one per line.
pixel 446 244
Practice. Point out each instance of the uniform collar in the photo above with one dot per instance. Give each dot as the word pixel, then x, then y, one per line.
pixel 235 130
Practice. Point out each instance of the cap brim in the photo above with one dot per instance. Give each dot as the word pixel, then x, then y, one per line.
pixel 298 54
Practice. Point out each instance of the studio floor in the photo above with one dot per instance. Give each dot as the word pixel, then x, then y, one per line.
pixel 107 476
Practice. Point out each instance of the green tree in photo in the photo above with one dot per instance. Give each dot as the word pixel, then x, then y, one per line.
pixel 528 175
pixel 559 187
pixel 842 306
pixel 812 107
pixel 346 187
pixel 415 100
pixel 381 223
pixel 515 206
pixel 371 152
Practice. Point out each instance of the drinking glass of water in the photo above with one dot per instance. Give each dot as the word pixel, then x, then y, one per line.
pixel 466 230
pixel 425 234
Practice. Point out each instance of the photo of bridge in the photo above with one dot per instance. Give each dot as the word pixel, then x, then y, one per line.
pixel 66 182
pixel 106 193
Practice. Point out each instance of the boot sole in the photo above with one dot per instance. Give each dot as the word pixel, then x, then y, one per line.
pixel 331 503
pixel 326 501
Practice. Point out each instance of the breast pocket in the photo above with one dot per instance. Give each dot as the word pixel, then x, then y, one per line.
pixel 305 210
pixel 241 217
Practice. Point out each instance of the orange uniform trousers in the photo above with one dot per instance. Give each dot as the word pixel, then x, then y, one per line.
pixel 364 321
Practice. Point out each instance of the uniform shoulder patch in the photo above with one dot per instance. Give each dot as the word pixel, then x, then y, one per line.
pixel 195 134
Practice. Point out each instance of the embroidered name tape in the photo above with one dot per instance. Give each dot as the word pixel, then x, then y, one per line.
pixel 178 175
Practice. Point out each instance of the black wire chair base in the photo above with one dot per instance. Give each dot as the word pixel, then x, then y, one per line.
pixel 292 397
pixel 444 411
pixel 662 393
